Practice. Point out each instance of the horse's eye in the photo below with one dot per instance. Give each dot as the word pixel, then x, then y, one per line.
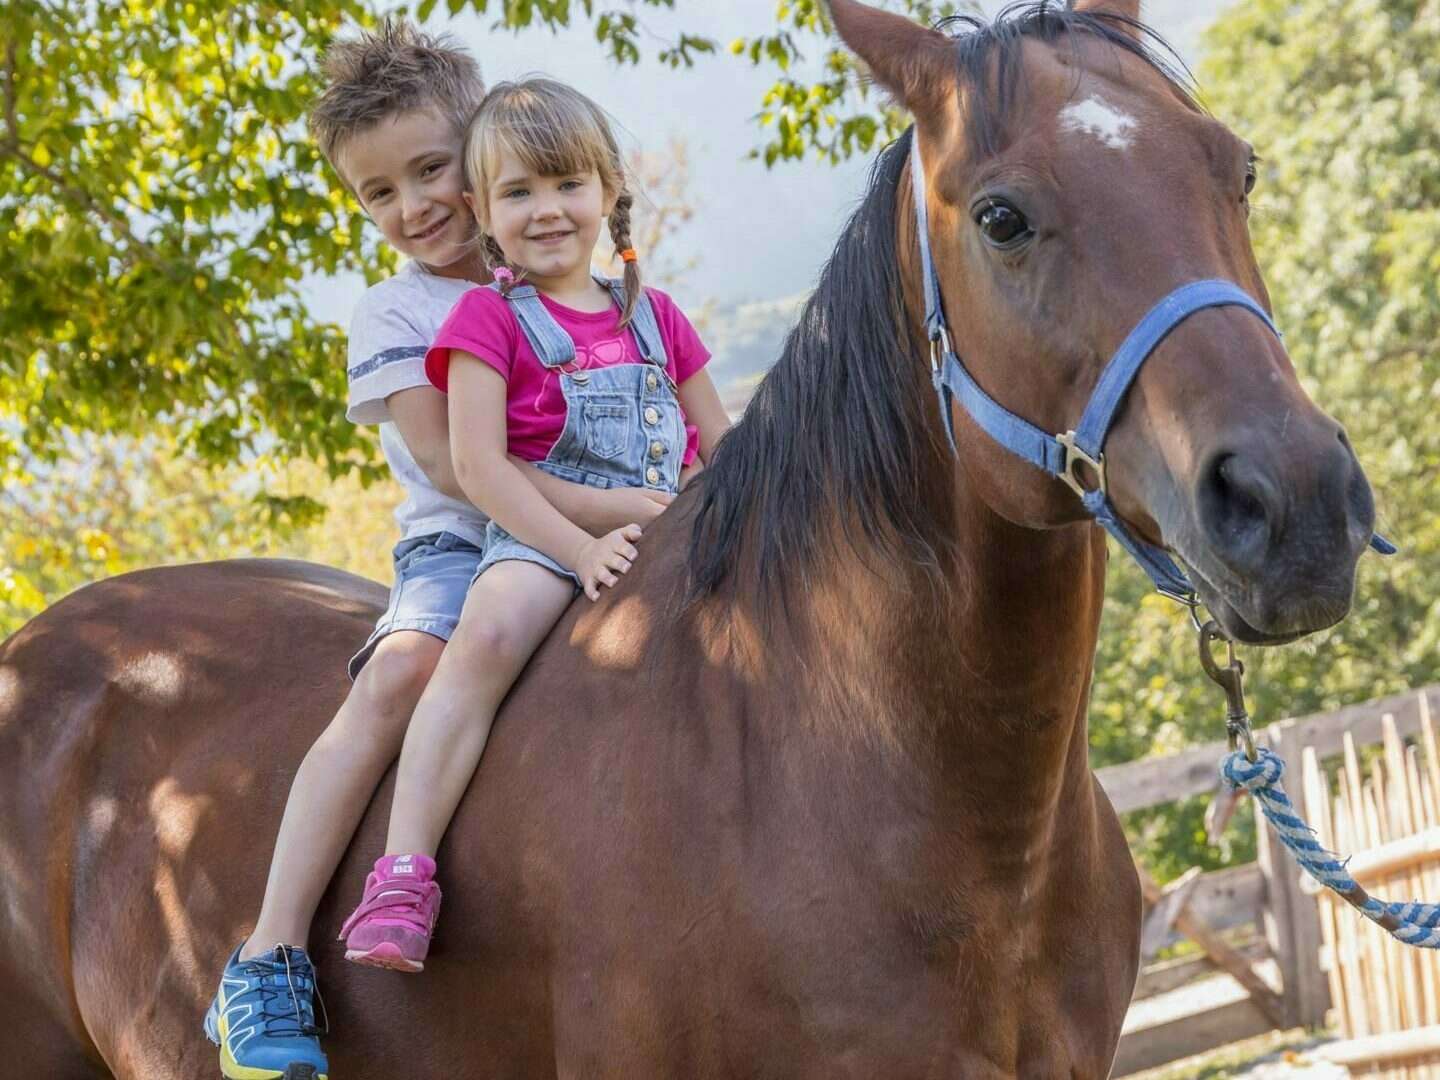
pixel 1250 176
pixel 1002 225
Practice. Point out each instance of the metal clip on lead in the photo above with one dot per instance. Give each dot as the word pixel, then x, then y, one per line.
pixel 1231 679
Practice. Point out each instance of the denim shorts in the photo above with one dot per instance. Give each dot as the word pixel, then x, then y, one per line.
pixel 432 576
pixel 500 546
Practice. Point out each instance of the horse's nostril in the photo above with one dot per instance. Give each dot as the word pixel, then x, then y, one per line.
pixel 1236 508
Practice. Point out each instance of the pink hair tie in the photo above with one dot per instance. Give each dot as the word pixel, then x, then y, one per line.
pixel 504 276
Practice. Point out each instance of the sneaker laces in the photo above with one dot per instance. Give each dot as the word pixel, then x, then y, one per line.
pixel 401 900
pixel 276 1019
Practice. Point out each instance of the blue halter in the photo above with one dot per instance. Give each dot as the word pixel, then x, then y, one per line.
pixel 1060 455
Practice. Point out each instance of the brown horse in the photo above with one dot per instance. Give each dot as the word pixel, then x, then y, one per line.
pixel 810 797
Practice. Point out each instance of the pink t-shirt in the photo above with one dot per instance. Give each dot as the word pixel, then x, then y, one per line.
pixel 482 323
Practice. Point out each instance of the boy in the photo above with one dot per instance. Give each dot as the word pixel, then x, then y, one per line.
pixel 391 122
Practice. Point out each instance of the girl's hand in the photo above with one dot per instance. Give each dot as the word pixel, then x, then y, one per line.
pixel 603 558
pixel 618 507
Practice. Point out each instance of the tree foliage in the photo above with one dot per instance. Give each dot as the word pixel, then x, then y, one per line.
pixel 1339 101
pixel 160 204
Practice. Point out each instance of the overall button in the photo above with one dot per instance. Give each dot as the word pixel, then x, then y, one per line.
pixel 580 376
pixel 651 382
pixel 652 415
pixel 657 450
pixel 652 475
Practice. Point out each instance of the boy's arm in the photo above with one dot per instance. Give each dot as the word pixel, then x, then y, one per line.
pixel 421 414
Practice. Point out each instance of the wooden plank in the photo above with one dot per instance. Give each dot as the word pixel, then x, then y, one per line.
pixel 1386 1047
pixel 1385 860
pixel 1325 731
pixel 1272 857
pixel 1154 781
pixel 1146 1047
pixel 1383 1005
pixel 1350 956
pixel 1226 957
pixel 1228 899
pixel 1317 798
pixel 1369 937
pixel 1170 975
pixel 1404 883
pixel 1157 780
pixel 1427 738
pixel 1401 824
pixel 1292 919
pixel 1159 922
pixel 1423 882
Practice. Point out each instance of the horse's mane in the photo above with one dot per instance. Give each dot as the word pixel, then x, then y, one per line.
pixel 843 427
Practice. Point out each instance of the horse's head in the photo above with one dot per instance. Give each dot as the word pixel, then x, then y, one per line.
pixel 1071 184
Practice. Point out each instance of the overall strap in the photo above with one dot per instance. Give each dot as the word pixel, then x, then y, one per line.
pixel 643 323
pixel 547 337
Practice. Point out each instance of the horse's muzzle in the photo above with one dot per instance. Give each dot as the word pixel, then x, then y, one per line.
pixel 1279 527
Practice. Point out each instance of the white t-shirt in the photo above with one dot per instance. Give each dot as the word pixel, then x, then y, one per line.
pixel 394 323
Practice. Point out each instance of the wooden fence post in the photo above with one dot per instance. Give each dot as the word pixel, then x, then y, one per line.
pixel 1292 919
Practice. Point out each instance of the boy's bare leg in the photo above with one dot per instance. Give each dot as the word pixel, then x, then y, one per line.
pixel 508 612
pixel 335 782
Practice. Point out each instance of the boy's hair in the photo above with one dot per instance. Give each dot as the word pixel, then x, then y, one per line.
pixel 555 131
pixel 395 69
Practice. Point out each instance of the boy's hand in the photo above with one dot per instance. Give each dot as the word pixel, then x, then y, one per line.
pixel 618 507
pixel 602 559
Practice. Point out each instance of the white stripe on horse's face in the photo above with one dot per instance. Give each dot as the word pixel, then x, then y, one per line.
pixel 1096 116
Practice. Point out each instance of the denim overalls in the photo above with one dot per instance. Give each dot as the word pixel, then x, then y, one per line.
pixel 623 426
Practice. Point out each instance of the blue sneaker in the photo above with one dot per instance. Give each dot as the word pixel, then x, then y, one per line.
pixel 263 1018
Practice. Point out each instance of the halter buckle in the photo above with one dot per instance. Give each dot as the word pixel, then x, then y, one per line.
pixel 1075 456
pixel 940 346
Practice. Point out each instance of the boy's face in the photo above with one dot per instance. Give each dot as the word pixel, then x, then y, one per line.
pixel 407 174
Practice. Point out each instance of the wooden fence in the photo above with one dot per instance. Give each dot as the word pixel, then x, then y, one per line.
pixel 1385 996
pixel 1262 966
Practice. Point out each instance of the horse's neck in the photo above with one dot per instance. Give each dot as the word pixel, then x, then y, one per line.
pixel 1012 675
pixel 971 698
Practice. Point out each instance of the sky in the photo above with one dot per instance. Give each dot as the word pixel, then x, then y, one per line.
pixel 757 234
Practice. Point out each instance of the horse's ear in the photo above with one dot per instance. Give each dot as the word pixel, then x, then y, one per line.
pixel 913 62
pixel 1127 12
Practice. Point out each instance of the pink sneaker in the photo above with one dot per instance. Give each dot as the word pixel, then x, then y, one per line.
pixel 392 926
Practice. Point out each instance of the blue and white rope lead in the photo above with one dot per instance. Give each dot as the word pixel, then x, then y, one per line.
pixel 1414 923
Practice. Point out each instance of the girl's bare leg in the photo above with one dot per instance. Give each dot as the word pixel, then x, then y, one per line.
pixel 507 614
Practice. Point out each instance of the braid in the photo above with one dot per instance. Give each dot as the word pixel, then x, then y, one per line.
pixel 495 260
pixel 620 234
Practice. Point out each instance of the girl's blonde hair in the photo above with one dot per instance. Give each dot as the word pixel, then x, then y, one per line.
pixel 554 130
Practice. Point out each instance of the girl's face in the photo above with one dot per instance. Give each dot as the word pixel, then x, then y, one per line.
pixel 546 224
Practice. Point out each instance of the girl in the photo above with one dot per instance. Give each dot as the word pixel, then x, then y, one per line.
pixel 598 382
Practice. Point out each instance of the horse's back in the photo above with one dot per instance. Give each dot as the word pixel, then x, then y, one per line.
pixel 140 719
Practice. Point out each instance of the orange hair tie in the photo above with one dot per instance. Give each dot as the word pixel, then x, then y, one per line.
pixel 629 255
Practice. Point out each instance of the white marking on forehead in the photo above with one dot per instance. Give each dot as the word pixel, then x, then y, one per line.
pixel 1096 116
